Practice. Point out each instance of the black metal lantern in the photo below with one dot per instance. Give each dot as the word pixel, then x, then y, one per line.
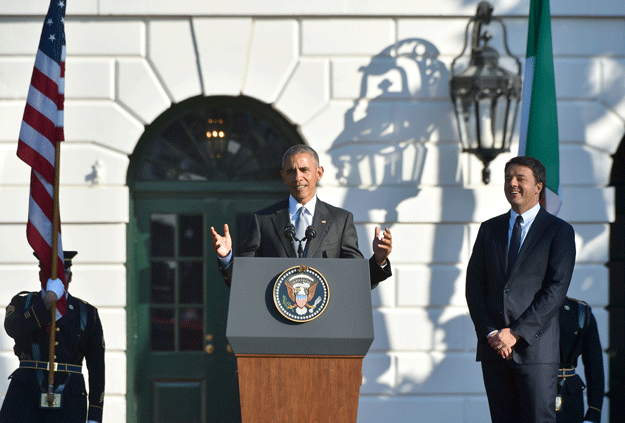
pixel 485 96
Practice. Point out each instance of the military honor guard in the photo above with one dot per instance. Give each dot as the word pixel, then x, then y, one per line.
pixel 579 337
pixel 78 336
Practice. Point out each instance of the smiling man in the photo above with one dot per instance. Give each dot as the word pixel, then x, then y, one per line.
pixel 335 231
pixel 517 279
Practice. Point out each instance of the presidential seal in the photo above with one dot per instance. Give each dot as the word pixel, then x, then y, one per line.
pixel 301 293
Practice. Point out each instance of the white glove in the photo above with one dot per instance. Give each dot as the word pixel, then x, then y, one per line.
pixel 56 286
pixel 92 421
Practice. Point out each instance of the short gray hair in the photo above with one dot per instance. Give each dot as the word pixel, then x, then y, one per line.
pixel 300 149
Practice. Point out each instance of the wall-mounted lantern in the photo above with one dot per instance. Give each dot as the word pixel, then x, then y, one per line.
pixel 485 96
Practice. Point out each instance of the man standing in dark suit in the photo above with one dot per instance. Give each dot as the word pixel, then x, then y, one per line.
pixel 579 337
pixel 517 279
pixel 335 231
pixel 78 335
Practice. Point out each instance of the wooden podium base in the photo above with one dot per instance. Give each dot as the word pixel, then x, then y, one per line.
pixel 277 389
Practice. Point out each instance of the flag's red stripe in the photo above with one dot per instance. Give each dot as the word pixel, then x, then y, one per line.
pixel 41 196
pixel 44 252
pixel 40 122
pixel 48 87
pixel 36 161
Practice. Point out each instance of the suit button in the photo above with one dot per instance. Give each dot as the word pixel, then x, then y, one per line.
pixel 506 290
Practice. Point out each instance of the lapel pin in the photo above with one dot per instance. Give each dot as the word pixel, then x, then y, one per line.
pixel 323 221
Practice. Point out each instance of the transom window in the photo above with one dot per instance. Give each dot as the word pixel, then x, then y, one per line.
pixel 215 139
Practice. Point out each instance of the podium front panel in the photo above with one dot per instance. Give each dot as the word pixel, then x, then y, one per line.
pixel 255 326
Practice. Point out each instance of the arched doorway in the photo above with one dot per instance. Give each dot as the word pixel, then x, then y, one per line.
pixel 204 162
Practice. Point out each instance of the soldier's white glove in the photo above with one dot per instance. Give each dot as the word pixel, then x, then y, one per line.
pixel 56 286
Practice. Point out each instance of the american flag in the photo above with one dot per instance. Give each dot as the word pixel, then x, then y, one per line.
pixel 42 129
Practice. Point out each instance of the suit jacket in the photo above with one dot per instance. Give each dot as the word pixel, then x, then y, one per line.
pixel 336 237
pixel 27 321
pixel 528 300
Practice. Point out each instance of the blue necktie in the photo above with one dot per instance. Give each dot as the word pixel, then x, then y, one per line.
pixel 300 230
pixel 515 242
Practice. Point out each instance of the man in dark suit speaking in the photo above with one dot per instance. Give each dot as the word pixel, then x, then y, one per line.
pixel 517 279
pixel 333 234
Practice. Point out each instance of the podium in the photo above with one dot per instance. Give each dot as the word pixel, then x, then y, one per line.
pixel 299 371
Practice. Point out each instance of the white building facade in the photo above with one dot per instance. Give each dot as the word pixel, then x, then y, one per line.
pixel 366 84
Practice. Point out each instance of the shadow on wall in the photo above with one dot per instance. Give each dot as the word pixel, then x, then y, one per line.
pixel 388 135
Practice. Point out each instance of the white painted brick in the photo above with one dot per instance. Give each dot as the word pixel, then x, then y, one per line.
pixel 586 204
pixel 577 78
pixel 95 204
pixel 278 40
pixel 12 169
pixel 114 409
pixel 115 373
pixel 172 52
pixel 40 7
pixel 590 283
pixel 99 243
pixel 600 37
pixel 582 165
pixel 114 327
pixel 15 76
pixel 403 77
pixel 430 285
pixel 476 409
pixel 613 85
pixel 437 36
pixel 384 294
pixel 140 90
pixel 440 409
pixel 222 63
pixel 439 373
pixel 589 123
pixel 105 123
pixel 212 7
pixel 107 38
pixel 11 113
pixel 104 286
pixel 436 243
pixel 18 278
pixel 403 330
pixel 346 36
pixel 92 165
pixel 89 78
pixel 326 128
pixel 79 163
pixel 429 329
pixel 21 37
pixel 592 243
pixel 411 164
pixel 306 91
pixel 378 374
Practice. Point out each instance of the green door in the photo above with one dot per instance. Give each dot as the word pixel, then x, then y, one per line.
pixel 186 371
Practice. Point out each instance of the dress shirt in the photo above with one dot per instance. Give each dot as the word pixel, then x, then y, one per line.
pixel 293 207
pixel 528 219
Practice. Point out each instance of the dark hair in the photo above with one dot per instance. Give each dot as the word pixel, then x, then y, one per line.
pixel 300 149
pixel 538 169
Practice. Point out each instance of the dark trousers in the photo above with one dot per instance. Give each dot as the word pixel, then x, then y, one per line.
pixel 520 393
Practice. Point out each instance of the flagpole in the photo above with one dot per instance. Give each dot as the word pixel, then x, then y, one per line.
pixel 53 272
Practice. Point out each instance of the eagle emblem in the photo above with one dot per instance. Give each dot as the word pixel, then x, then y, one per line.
pixel 301 293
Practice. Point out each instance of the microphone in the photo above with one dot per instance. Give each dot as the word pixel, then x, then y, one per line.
pixel 289 232
pixel 311 233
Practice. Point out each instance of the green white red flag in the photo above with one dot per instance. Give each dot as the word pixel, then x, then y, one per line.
pixel 539 117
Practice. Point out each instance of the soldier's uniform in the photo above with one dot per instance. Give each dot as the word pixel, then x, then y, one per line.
pixel 579 336
pixel 78 335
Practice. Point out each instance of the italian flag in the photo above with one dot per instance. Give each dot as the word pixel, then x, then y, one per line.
pixel 539 118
